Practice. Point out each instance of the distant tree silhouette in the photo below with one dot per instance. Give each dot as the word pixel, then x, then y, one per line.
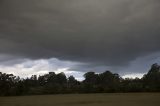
pixel 109 81
pixel 53 83
pixel 73 85
pixel 91 81
pixel 152 78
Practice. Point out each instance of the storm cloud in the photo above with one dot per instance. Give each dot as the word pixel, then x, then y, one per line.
pixel 100 33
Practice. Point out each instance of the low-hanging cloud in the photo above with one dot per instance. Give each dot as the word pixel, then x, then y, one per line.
pixel 27 68
pixel 107 33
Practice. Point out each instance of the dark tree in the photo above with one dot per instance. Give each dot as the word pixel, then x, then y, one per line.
pixel 152 78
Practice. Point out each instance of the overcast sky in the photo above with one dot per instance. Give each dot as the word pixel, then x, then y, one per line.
pixel 76 36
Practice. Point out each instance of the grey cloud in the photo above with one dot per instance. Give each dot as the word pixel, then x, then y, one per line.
pixel 97 32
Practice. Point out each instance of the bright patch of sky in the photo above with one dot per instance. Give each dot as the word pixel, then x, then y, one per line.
pixel 41 67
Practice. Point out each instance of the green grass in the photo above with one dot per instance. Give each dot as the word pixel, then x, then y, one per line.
pixel 110 99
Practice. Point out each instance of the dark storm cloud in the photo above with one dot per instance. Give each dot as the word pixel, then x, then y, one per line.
pixel 100 32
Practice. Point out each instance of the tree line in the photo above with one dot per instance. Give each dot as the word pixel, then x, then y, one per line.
pixel 105 82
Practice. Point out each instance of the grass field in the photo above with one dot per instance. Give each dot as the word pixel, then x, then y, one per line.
pixel 115 99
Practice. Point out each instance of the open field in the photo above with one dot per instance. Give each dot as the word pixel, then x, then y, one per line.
pixel 110 99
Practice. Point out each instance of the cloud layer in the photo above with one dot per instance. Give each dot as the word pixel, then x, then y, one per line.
pixel 100 33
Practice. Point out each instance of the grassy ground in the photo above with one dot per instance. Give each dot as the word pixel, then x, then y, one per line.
pixel 115 99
